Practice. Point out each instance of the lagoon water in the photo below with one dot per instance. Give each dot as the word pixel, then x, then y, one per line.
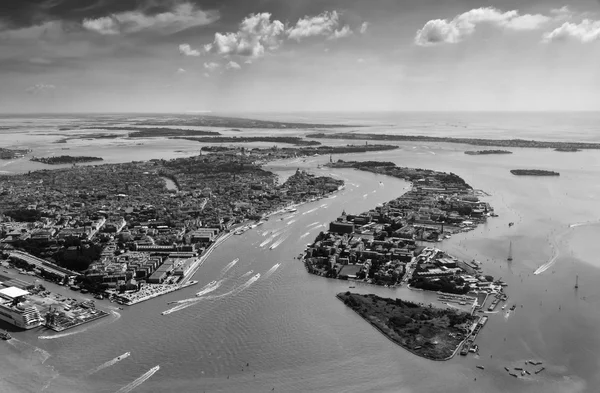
pixel 286 330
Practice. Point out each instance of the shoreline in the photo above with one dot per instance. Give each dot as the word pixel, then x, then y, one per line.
pixel 401 345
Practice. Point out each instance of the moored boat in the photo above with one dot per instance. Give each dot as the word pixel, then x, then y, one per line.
pixel 5 335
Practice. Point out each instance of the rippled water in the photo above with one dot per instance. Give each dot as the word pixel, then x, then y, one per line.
pixel 286 330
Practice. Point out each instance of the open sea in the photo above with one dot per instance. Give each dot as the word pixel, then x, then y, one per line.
pixel 267 325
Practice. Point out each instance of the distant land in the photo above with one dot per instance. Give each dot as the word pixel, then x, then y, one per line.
pixel 433 333
pixel 485 152
pixel 533 172
pixel 567 149
pixel 9 154
pixel 293 140
pixel 58 160
pixel 464 141
pixel 233 122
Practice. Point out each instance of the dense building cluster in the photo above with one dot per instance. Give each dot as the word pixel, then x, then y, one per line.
pixel 122 225
pixel 379 247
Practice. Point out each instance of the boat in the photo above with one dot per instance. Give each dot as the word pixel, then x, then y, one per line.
pixel 99 296
pixel 5 335
pixel 512 308
pixel 528 373
pixel 503 307
pixel 519 368
pixel 507 369
pixel 576 282
pixel 352 286
pixel 480 367
pixel 210 284
pixel 523 373
pixel 514 375
pixel 540 370
pixel 291 209
pixel 510 256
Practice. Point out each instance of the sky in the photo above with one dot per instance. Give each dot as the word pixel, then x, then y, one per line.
pixel 299 55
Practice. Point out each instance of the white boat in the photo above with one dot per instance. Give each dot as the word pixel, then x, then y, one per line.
pixel 503 307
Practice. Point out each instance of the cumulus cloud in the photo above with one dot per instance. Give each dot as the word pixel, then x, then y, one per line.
pixel 186 50
pixel 364 27
pixel 180 71
pixel 438 31
pixel 562 10
pixel 256 34
pixel 181 17
pixel 232 65
pixel 210 66
pixel 585 31
pixel 342 33
pixel 40 88
pixel 322 24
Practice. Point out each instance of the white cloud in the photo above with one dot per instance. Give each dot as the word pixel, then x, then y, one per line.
pixel 562 10
pixel 40 88
pixel 180 71
pixel 256 34
pixel 181 17
pixel 206 75
pixel 322 24
pixel 438 31
pixel 585 31
pixel 364 27
pixel 232 65
pixel 342 33
pixel 361 60
pixel 211 66
pixel 186 50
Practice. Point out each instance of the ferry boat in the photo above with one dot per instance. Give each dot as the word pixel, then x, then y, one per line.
pixel 5 335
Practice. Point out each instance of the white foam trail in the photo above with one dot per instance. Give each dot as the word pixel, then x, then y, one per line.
pixel 324 205
pixel 209 288
pixel 108 364
pixel 278 242
pixel 272 270
pixel 311 210
pixel 265 233
pixel 60 335
pixel 264 243
pixel 247 274
pixel 313 224
pixel 365 195
pixel 237 290
pixel 306 234
pixel 129 387
pixel 333 197
pixel 291 222
pixel 229 266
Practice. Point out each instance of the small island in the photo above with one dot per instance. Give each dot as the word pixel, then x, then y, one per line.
pixel 292 140
pixel 484 152
pixel 433 333
pixel 533 172
pixel 567 149
pixel 58 160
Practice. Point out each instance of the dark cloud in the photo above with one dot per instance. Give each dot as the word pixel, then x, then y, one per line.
pixel 25 13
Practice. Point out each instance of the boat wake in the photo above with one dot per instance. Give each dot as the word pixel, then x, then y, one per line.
pixel 278 242
pixel 272 270
pixel 265 242
pixel 247 274
pixel 365 195
pixel 310 211
pixel 237 290
pixel 24 346
pixel 109 363
pixel 61 335
pixel 213 286
pixel 265 233
pixel 129 387
pixel 291 222
pixel 313 224
pixel 333 197
pixel 230 265
pixel 306 234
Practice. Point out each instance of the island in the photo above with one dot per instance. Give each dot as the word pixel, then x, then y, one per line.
pixel 433 333
pixel 10 154
pixel 567 149
pixel 533 172
pixel 58 160
pixel 233 122
pixel 75 229
pixel 484 152
pixel 464 141
pixel 292 140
